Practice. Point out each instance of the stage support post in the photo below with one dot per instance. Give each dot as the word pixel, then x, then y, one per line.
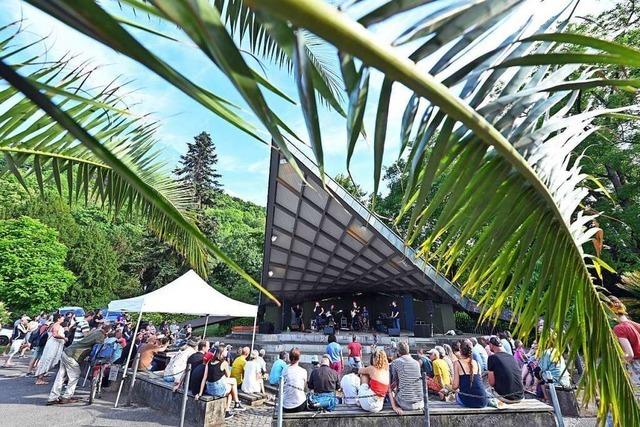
pixel 126 367
pixel 204 333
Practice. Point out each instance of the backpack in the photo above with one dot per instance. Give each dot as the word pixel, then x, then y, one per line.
pixel 39 337
pixel 321 402
pixel 103 351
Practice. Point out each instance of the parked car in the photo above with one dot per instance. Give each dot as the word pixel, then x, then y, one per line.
pixel 79 311
pixel 5 336
pixel 111 316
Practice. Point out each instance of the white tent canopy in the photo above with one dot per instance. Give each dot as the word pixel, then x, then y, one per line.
pixel 188 294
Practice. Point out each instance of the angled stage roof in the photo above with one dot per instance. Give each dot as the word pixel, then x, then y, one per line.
pixel 320 244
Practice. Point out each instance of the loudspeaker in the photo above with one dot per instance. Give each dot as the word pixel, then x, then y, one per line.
pixel 394 332
pixel 423 330
pixel 329 330
pixel 266 328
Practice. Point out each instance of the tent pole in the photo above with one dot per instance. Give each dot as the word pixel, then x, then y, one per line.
pixel 255 321
pixel 126 367
pixel 204 334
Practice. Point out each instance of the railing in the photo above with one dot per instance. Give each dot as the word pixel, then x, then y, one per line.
pixel 280 400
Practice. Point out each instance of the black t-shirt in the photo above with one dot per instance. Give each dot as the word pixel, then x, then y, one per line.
pixel 507 374
pixel 297 311
pixel 195 359
pixel 214 373
pixel 394 311
pixel 323 380
pixel 196 379
pixel 317 310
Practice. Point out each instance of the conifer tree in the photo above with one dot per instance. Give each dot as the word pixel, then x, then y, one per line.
pixel 197 170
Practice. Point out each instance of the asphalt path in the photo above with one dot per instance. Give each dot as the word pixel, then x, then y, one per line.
pixel 22 403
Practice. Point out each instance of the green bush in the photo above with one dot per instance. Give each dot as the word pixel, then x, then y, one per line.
pixel 32 272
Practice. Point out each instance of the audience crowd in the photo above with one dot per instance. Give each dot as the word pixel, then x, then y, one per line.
pixel 475 372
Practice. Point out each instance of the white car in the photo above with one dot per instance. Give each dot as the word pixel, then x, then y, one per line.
pixel 5 336
pixel 78 311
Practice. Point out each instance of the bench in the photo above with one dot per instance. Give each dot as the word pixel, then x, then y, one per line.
pixel 158 394
pixel 528 413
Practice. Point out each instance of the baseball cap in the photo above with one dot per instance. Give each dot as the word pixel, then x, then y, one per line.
pixel 208 357
pixel 434 351
pixel 495 341
pixel 314 359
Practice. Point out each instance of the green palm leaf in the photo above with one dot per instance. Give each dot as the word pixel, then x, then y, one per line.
pixel 96 150
pixel 516 200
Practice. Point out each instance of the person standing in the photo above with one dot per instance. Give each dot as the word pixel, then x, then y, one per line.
pixel 405 392
pixel 355 353
pixel 334 351
pixel 70 366
pixel 52 349
pixel 82 327
pixel 19 333
pixel 298 319
pixel 318 311
pixel 395 315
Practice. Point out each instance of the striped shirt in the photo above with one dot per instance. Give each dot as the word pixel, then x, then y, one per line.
pixel 82 330
pixel 406 373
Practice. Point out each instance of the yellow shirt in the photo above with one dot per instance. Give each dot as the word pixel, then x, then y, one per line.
pixel 237 368
pixel 441 369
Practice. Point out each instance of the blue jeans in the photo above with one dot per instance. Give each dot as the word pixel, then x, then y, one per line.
pixel 218 388
pixel 396 323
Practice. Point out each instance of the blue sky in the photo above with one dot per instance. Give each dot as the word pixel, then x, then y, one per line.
pixel 243 162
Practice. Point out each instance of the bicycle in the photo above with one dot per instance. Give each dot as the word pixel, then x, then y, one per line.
pixel 97 368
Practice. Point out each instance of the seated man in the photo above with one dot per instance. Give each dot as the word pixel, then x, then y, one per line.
pixel 294 398
pixel 350 384
pixel 252 376
pixel 148 350
pixel 503 374
pixel 440 377
pixel 405 392
pixel 237 368
pixel 178 364
pixel 279 366
pixel 324 382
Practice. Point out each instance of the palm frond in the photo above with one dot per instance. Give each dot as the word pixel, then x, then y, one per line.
pixel 94 149
pixel 503 143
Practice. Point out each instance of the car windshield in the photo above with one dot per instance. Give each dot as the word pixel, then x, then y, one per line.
pixel 77 311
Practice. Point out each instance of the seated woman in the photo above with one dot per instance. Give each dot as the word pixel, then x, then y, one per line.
pixel 467 379
pixel 375 383
pixel 214 374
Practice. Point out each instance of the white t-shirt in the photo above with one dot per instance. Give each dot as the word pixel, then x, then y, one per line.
pixel 295 379
pixel 251 378
pixel 178 363
pixel 350 385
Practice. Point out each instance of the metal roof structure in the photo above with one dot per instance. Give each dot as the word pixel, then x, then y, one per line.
pixel 322 242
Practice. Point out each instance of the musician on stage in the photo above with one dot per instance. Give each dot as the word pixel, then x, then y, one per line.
pixel 329 315
pixel 365 318
pixel 355 312
pixel 318 311
pixel 297 320
pixel 395 314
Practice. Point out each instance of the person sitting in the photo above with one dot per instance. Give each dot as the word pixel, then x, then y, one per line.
pixel 213 374
pixel 426 367
pixel 553 363
pixel 506 343
pixel 405 392
pixel 294 398
pixel 467 379
pixel 278 368
pixel 503 374
pixel 334 352
pixel 252 377
pixel 178 364
pixel 479 354
pixel 440 379
pixel 237 368
pixel 196 358
pixel 349 384
pixel 324 382
pixel 148 350
pixel 355 353
pixel 375 383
